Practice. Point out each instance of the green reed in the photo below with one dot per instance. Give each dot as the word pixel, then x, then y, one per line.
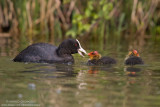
pixel 103 20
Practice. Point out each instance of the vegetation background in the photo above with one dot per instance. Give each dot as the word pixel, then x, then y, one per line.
pixel 133 22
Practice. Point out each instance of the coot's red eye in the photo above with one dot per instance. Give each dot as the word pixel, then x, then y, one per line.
pixel 76 45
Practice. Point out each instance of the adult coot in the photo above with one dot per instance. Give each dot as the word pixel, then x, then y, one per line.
pixel 133 58
pixel 96 59
pixel 47 53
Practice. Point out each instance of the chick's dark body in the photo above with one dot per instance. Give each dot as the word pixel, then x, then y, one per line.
pixel 134 60
pixel 102 61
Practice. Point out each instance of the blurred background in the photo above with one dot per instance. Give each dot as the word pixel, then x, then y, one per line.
pixel 97 23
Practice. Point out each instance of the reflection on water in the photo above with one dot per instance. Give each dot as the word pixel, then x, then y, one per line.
pixel 132 71
pixel 79 85
pixel 51 70
pixel 8 44
pixel 96 69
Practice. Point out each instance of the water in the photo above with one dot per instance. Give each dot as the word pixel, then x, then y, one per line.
pixel 79 85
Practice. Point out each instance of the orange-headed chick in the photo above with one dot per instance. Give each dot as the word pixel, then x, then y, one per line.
pixel 96 59
pixel 133 58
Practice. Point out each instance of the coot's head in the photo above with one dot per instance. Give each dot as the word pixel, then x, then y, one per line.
pixel 71 46
pixel 94 55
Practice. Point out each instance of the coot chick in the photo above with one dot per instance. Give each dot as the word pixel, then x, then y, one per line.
pixel 47 53
pixel 133 58
pixel 96 59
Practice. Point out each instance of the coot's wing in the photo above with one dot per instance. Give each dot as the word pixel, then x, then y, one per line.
pixel 37 53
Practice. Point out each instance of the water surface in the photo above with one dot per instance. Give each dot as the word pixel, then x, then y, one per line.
pixel 79 85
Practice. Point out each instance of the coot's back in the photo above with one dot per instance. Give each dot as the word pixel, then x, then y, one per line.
pixel 37 53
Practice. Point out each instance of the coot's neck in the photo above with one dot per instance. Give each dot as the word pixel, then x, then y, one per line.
pixel 63 52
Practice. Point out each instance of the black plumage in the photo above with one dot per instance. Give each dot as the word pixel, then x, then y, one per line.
pixel 96 59
pixel 47 53
pixel 133 58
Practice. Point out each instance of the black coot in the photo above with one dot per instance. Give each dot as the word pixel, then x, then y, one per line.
pixel 47 53
pixel 96 59
pixel 133 58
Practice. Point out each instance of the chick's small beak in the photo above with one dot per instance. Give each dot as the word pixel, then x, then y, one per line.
pixel 82 52
pixel 89 54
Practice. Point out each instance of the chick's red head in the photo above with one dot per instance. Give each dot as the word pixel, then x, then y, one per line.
pixel 135 52
pixel 94 55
